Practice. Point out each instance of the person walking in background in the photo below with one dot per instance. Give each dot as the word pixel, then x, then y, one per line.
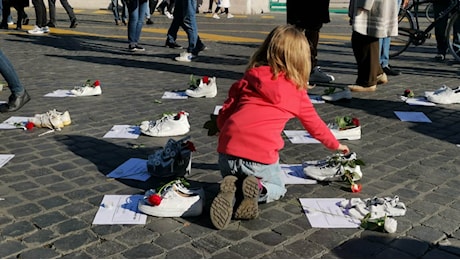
pixel 185 17
pixel 116 12
pixel 272 91
pixel 371 20
pixel 384 44
pixel 68 9
pixel 151 8
pixel 136 16
pixel 40 18
pixel 211 2
pixel 310 16
pixel 440 28
pixel 19 5
pixel 166 7
pixel 222 6
pixel 19 95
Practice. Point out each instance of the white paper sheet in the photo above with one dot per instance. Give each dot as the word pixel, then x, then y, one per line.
pixel 119 209
pixel 4 158
pixel 174 95
pixel 123 131
pixel 419 101
pixel 60 93
pixel 412 116
pixel 216 110
pixel 300 137
pixel 293 174
pixel 9 123
pixel 134 168
pixel 324 213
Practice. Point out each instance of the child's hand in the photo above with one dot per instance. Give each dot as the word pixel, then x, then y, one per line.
pixel 343 149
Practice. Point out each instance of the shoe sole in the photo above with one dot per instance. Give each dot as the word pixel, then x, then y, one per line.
pixel 249 206
pixel 357 88
pixel 222 206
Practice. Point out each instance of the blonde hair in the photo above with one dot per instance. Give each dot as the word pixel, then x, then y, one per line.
pixel 285 49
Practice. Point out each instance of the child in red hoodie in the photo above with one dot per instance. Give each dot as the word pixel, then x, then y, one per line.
pixel 271 92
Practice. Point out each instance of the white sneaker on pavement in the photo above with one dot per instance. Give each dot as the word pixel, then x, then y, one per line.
pixel 176 201
pixel 208 90
pixel 215 16
pixel 444 95
pixel 168 125
pixel 335 96
pixel 36 30
pixel 87 89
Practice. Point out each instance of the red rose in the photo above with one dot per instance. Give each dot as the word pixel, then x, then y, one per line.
pixel 190 146
pixel 29 125
pixel 205 79
pixel 154 199
pixel 355 121
pixel 96 83
pixel 356 188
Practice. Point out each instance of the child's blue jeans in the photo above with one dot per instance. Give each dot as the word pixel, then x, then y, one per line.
pixel 269 174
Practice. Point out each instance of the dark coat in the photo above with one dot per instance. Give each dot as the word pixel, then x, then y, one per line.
pixel 307 13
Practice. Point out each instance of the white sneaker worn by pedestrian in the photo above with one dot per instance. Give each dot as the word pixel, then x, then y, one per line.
pixel 169 15
pixel 333 168
pixel 229 15
pixel 319 76
pixel 208 90
pixel 168 125
pixel 176 201
pixel 334 96
pixel 444 95
pixel 37 30
pixel 185 56
pixel 215 16
pixel 87 89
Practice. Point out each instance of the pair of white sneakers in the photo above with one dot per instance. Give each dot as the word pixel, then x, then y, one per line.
pixel 168 125
pixel 176 201
pixel 52 119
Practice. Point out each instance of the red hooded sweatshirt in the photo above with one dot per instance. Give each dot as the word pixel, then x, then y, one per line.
pixel 256 111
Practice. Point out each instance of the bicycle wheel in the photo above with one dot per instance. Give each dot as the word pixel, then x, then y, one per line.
pixel 453 36
pixel 405 25
pixel 429 12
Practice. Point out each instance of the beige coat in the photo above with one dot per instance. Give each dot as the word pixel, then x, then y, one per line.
pixel 376 18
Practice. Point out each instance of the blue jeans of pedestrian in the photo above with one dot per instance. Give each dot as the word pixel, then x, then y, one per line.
pixel 384 51
pixel 136 13
pixel 116 13
pixel 185 17
pixel 10 75
pixel 268 174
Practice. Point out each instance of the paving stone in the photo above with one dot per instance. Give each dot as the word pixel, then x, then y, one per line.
pixel 48 219
pixel 70 225
pixel 210 243
pixel 172 240
pixel 358 248
pixel 10 247
pixel 28 209
pixel 41 236
pixel 143 251
pixel 18 229
pixel 428 234
pixel 73 241
pixel 53 202
pixel 105 249
pixel 39 253
pixel 137 235
pixel 183 253
pixel 248 249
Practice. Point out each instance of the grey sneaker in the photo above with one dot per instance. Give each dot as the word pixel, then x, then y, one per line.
pixel 317 75
pixel 333 168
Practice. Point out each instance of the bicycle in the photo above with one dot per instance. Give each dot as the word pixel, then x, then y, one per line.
pixel 409 31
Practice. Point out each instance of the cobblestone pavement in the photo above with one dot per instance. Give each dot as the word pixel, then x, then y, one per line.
pixel 51 190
